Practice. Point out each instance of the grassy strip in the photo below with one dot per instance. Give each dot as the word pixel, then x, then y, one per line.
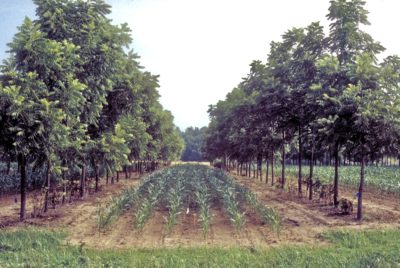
pixel 40 248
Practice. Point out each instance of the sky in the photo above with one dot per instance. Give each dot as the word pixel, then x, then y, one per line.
pixel 202 48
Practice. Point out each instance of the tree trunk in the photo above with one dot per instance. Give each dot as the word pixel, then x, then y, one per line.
pixel 83 180
pixel 361 188
pixel 9 166
pixel 266 174
pixel 96 173
pixel 310 194
pixel 272 169
pixel 107 175
pixel 336 180
pixel 64 187
pixel 283 158
pixel 46 195
pixel 117 176
pixel 300 162
pixel 259 167
pixel 72 189
pixel 22 167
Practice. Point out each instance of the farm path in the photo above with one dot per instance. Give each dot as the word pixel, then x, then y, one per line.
pixel 303 221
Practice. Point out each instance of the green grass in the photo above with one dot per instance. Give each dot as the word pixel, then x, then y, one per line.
pixel 42 248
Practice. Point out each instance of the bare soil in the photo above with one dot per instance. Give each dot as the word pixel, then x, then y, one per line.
pixel 303 220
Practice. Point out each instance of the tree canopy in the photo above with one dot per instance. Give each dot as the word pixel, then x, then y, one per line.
pixel 74 95
pixel 314 95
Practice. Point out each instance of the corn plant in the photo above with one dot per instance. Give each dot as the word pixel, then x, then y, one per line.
pixel 175 201
pixel 268 215
pixel 228 195
pixel 118 205
pixel 154 191
pixel 202 198
pixel 385 179
pixel 206 184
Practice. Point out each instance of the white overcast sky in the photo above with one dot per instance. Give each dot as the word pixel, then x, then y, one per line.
pixel 202 48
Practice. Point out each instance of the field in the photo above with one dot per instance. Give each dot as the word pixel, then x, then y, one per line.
pixel 124 227
pixel 96 172
pixel 191 189
pixel 384 179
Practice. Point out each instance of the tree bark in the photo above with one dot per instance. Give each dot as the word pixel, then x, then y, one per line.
pixel 9 166
pixel 64 187
pixel 259 167
pixel 46 195
pixel 336 180
pixel 96 173
pixel 310 194
pixel 361 188
pixel 266 174
pixel 272 169
pixel 22 167
pixel 83 180
pixel 300 162
pixel 283 158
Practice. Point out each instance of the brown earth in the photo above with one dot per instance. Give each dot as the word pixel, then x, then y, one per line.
pixel 303 220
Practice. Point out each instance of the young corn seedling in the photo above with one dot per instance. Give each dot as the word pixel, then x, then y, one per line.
pixel 118 205
pixel 228 195
pixel 267 214
pixel 148 204
pixel 203 201
pixel 175 201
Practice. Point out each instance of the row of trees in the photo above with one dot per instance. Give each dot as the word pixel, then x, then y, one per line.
pixel 73 95
pixel 317 94
pixel 194 139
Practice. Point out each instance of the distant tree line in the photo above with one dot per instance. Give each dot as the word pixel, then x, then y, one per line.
pixel 194 139
pixel 73 96
pixel 317 97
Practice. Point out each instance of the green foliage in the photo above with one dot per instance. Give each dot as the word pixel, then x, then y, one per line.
pixel 175 201
pixel 106 215
pixel 315 95
pixel 148 202
pixel 171 188
pixel 72 95
pixel 268 215
pixel 203 199
pixel 194 139
pixel 385 179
